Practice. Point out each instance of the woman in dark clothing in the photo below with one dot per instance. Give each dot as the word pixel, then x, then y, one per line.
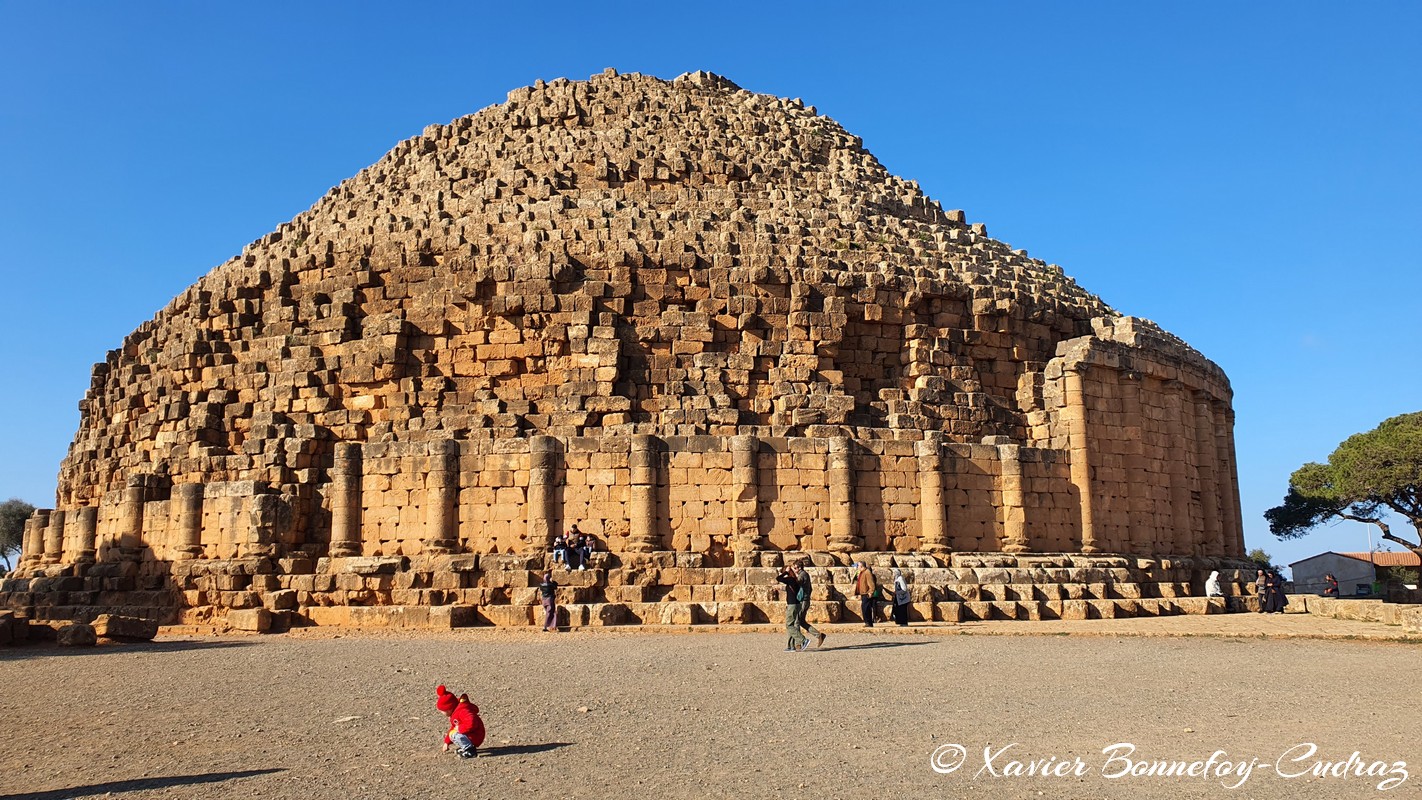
pixel 1274 600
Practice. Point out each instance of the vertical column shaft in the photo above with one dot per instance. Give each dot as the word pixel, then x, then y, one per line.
pixel 86 520
pixel 1182 528
pixel 130 532
pixel 1014 512
pixel 346 500
pixel 746 479
pixel 643 536
pixel 1211 542
pixel 843 537
pixel 1141 535
pixel 32 545
pixel 932 501
pixel 442 497
pixel 542 497
pixel 1229 483
pixel 1079 444
pixel 187 512
pixel 54 538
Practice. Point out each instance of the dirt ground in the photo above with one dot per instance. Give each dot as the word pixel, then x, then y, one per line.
pixel 622 713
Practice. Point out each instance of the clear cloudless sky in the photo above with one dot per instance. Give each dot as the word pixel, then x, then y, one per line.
pixel 1248 175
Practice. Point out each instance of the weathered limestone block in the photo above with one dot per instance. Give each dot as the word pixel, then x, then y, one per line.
pixel 114 626
pixel 77 634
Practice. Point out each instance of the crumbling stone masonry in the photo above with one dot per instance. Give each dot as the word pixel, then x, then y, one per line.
pixel 704 324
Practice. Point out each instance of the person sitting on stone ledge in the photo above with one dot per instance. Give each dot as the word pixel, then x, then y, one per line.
pixel 466 728
pixel 586 545
pixel 1212 585
pixel 560 549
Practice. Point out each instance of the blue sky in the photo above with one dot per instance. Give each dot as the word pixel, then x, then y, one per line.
pixel 1245 174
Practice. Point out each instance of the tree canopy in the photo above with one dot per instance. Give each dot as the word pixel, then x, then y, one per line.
pixel 13 513
pixel 1368 476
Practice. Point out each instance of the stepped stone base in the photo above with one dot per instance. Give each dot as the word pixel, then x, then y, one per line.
pixel 660 588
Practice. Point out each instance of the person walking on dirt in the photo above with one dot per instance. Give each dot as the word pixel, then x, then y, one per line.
pixel 806 585
pixel 794 640
pixel 867 587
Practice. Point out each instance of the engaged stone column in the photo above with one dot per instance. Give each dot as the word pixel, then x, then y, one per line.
pixel 1229 483
pixel 442 497
pixel 643 535
pixel 932 501
pixel 1014 513
pixel 542 497
pixel 1142 532
pixel 86 520
pixel 54 538
pixel 1075 417
pixel 1211 542
pixel 130 532
pixel 1184 532
pixel 346 500
pixel 746 508
pixel 843 537
pixel 32 545
pixel 187 512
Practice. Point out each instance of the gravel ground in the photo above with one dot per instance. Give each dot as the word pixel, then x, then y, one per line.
pixel 321 714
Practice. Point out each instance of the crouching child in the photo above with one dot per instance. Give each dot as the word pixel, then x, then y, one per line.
pixel 466 729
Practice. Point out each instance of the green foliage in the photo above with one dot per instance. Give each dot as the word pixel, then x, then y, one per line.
pixel 13 513
pixel 1368 476
pixel 1263 559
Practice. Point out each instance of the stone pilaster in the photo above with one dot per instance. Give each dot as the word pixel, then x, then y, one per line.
pixel 1207 452
pixel 86 521
pixel 643 531
pixel 1075 417
pixel 1229 484
pixel 1142 533
pixel 1178 408
pixel 346 500
pixel 32 545
pixel 932 502
pixel 442 498
pixel 54 538
pixel 746 508
pixel 187 518
pixel 1014 511
pixel 844 537
pixel 542 493
pixel 130 530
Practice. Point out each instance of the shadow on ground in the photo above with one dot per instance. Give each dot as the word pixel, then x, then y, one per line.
pixel 48 649
pixel 869 646
pixel 513 749
pixel 117 787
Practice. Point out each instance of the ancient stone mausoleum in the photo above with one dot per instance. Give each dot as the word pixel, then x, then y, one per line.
pixel 705 325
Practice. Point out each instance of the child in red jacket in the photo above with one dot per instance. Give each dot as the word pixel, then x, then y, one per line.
pixel 466 729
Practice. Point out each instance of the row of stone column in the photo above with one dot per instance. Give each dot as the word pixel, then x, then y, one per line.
pixel 45 530
pixel 1212 444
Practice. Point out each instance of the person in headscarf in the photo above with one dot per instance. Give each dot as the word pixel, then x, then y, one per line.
pixel 1212 585
pixel 901 599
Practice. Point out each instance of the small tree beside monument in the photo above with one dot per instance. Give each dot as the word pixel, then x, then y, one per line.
pixel 1369 476
pixel 13 513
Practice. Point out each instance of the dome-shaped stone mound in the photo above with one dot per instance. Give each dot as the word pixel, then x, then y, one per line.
pixel 690 316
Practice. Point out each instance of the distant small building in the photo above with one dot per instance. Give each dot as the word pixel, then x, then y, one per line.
pixel 1356 572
